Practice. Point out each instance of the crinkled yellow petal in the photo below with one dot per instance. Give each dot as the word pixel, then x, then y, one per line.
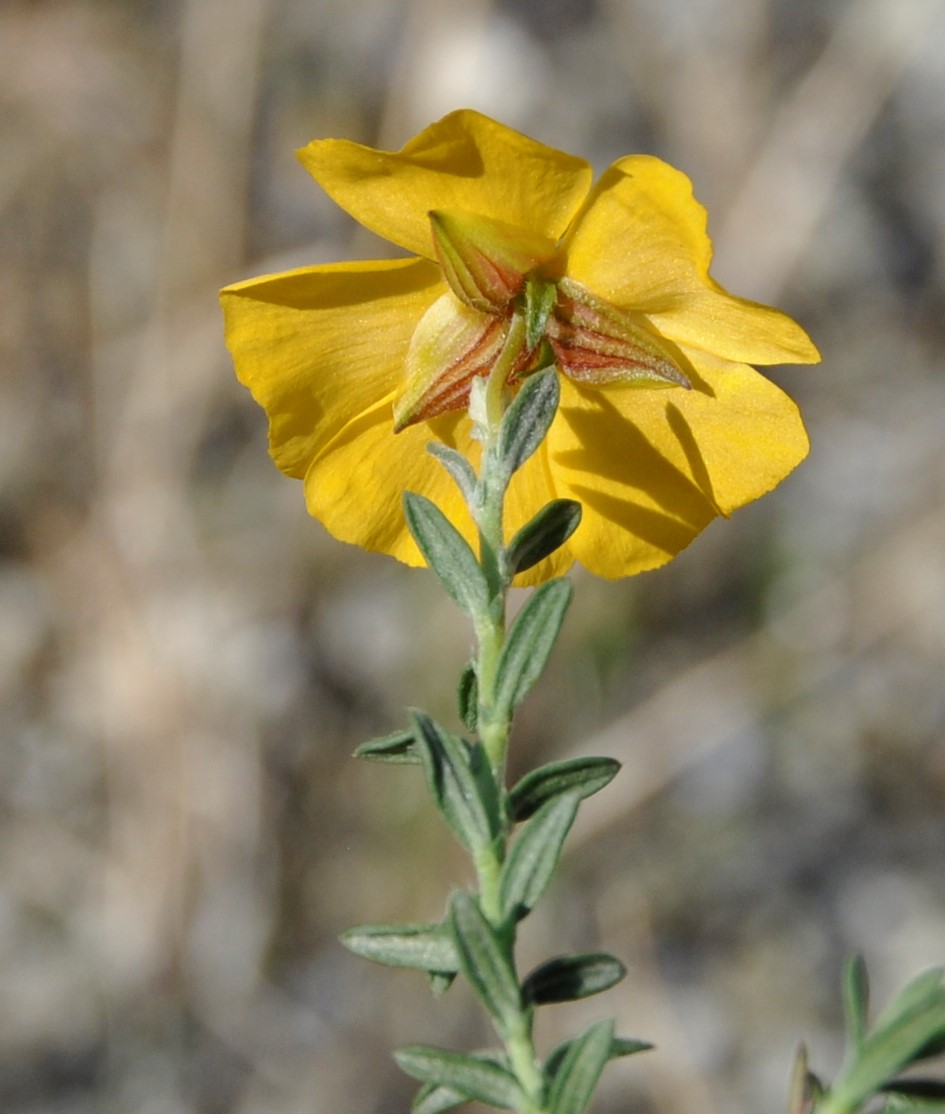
pixel 319 346
pixel 355 486
pixel 653 468
pixel 465 161
pixel 641 242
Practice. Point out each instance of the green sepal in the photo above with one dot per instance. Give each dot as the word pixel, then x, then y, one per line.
pixel 569 977
pixel 530 642
pixel 475 1079
pixel 546 532
pixel 396 748
pixel 572 1086
pixel 528 419
pixel 531 863
pixel 424 947
pixel 540 298
pixel 584 776
pixel 619 1046
pixel 856 1000
pixel 485 962
pixel 447 553
pixel 459 469
pixel 467 697
pixel 461 783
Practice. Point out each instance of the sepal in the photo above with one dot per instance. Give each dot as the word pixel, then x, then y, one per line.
pixel 484 261
pixel 451 346
pixel 599 343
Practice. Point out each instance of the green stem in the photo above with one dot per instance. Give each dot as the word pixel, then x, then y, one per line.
pixel 494 723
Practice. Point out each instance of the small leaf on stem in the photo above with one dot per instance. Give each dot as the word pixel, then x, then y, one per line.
pixel 473 1078
pixel 569 977
pixel 485 962
pixel 530 642
pixel 584 776
pixel 545 533
pixel 447 553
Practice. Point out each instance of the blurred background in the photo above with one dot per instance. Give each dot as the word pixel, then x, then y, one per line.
pixel 187 660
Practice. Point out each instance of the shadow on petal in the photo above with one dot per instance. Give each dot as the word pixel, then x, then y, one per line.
pixel 615 449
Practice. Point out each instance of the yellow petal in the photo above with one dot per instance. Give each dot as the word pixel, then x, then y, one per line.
pixel 641 242
pixel 321 345
pixel 653 468
pixel 465 161
pixel 356 484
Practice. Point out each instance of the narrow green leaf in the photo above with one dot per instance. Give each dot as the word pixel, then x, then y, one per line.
pixel 856 999
pixel 425 947
pixel 433 1099
pixel 460 781
pixel 922 991
pixel 530 641
pixel 573 1084
pixel 925 1090
pixel 485 962
pixel 447 553
pixel 888 1051
pixel 546 532
pixel 467 696
pixel 585 776
pixel 459 469
pixel 569 977
pixel 619 1046
pixel 528 419
pixel 474 1079
pixel 531 863
pixel 396 748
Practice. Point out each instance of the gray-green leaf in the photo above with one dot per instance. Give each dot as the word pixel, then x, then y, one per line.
pixel 474 1079
pixel 485 962
pixel 425 947
pixel 530 642
pixel 447 553
pixel 546 532
pixel 531 863
pixel 585 776
pixel 569 977
pixel 528 419
pixel 574 1082
pixel 460 781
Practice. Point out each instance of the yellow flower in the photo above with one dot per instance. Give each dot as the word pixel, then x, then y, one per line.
pixel 622 266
